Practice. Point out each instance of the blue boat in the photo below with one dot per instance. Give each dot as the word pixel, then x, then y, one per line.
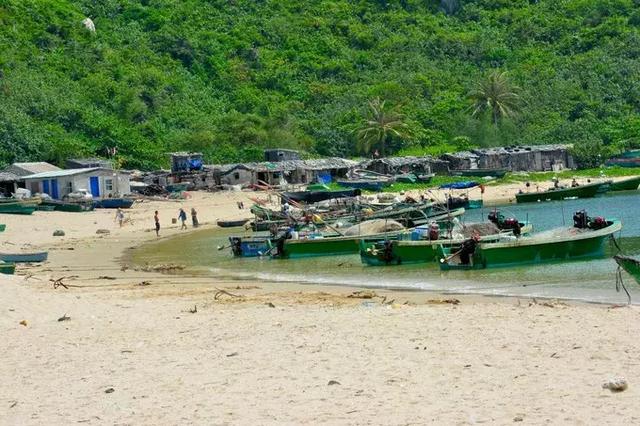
pixel 113 203
pixel 249 246
pixel 465 184
pixel 24 257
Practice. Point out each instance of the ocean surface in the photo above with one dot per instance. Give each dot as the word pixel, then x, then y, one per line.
pixel 591 280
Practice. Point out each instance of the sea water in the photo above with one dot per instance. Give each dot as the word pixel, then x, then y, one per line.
pixel 591 280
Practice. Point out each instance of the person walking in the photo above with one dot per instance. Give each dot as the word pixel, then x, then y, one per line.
pixel 183 219
pixel 120 217
pixel 194 218
pixel 156 218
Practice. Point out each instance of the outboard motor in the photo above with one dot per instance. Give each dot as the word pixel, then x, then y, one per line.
pixel 236 245
pixel 496 217
pixel 580 219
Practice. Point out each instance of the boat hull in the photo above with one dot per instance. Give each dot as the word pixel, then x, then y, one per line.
pixel 586 245
pixel 24 257
pixel 328 246
pixel 232 223
pixel 2 227
pixel 584 191
pixel 113 203
pixel 249 247
pixel 17 208
pixel 60 206
pixel 625 184
pixel 629 264
pixel 317 196
pixel 7 268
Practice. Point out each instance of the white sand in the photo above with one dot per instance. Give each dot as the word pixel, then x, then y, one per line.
pixel 239 361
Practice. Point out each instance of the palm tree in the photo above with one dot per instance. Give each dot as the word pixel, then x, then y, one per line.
pixel 496 94
pixel 380 124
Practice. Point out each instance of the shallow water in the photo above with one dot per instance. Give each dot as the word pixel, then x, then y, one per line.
pixel 592 280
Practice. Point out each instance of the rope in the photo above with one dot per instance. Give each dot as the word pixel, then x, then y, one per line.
pixel 620 283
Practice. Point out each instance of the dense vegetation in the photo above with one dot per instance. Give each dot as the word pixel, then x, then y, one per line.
pixel 230 77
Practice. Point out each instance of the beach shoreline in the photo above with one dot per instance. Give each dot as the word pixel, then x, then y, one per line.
pixel 155 348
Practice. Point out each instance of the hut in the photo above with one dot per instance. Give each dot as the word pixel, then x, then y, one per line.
pixel 26 169
pixel 100 182
pixel 8 183
pixel 399 165
pixel 322 170
pixel 186 161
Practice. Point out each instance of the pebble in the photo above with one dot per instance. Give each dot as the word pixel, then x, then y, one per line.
pixel 58 233
pixel 617 384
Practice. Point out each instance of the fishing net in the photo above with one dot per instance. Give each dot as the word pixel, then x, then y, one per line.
pixel 375 226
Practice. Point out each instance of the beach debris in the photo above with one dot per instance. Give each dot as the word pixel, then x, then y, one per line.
pixel 13 404
pixel 617 384
pixel 58 233
pixel 124 268
pixel 271 305
pixel 64 318
pixel 106 277
pixel 443 301
pixel 144 283
pixel 194 310
pixel 103 232
pixel 166 267
pixel 518 419
pixel 109 390
pixel 220 293
pixel 89 25
pixel 245 287
pixel 333 382
pixel 363 294
pixel 232 354
pixel 23 322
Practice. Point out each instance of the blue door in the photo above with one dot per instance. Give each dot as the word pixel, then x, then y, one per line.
pixel 45 187
pixel 54 189
pixel 94 184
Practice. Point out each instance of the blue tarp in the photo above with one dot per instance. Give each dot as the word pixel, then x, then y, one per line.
pixel 459 185
pixel 324 178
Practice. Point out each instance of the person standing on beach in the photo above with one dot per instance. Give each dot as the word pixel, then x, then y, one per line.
pixel 156 218
pixel 194 218
pixel 120 217
pixel 183 219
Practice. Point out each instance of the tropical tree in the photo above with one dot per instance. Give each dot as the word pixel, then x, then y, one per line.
pixel 380 125
pixel 497 95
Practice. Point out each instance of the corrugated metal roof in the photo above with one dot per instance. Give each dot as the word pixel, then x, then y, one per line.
pixel 68 172
pixel 35 167
pixel 8 177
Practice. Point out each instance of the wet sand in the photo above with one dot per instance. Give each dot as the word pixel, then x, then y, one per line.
pixel 150 348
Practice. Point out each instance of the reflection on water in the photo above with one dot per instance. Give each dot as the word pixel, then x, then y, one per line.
pixel 592 280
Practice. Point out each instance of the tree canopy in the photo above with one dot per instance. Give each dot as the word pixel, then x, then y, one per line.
pixel 231 77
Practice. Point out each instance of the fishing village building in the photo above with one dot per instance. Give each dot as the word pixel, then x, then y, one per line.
pixel 398 165
pixel 100 182
pixel 535 158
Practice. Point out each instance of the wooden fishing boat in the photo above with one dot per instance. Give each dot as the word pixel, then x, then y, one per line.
pixel 558 245
pixel 629 264
pixel 406 178
pixel 628 184
pixel 583 191
pixel 425 178
pixel 45 208
pixel 2 227
pixel 497 173
pixel 24 257
pixel 415 247
pixel 626 159
pixel 317 196
pixel 232 223
pixel 250 246
pixel 73 207
pixel 373 184
pixel 113 203
pixel 7 268
pixel 17 207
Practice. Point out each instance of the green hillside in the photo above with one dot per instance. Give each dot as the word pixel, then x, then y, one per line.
pixel 231 77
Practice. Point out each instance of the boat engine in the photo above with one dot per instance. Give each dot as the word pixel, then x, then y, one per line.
pixel 580 219
pixel 236 245
pixel 597 222
pixel 509 223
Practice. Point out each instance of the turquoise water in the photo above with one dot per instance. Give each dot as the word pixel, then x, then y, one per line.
pixel 592 280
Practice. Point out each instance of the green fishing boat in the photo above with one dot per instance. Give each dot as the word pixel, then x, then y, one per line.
pixel 406 251
pixel 7 268
pixel 2 227
pixel 629 184
pixel 629 264
pixel 583 191
pixel 73 207
pixel 17 207
pixel 558 245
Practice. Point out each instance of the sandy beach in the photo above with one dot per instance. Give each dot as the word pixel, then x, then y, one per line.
pixel 136 347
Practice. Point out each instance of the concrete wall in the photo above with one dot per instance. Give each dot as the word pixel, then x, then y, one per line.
pixel 109 184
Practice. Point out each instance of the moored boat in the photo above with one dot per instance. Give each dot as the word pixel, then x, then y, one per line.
pixel 24 257
pixel 113 203
pixel 628 184
pixel 17 207
pixel 373 184
pixel 582 191
pixel 314 196
pixel 630 265
pixel 7 268
pixel 497 173
pixel 586 239
pixel 2 227
pixel 232 223
pixel 250 246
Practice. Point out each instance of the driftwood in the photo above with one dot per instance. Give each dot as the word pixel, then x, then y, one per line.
pixel 221 292
pixel 58 282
